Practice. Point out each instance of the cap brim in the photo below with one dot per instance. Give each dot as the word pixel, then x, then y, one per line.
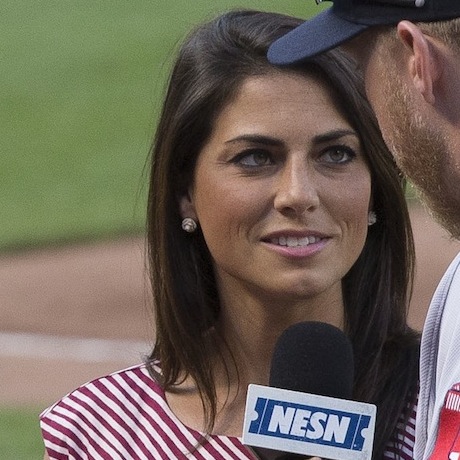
pixel 316 35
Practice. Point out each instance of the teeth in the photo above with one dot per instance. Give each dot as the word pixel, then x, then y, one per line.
pixel 292 241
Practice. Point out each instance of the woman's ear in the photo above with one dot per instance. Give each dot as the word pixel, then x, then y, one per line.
pixel 422 60
pixel 187 207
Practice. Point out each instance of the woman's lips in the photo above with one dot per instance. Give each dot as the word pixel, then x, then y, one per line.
pixel 296 244
pixel 293 241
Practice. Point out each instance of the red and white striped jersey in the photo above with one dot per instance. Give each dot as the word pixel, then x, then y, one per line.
pixel 125 416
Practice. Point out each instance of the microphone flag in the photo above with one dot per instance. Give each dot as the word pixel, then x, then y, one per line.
pixel 303 423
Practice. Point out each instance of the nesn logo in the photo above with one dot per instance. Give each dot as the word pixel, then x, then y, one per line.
pixel 304 423
pixel 310 424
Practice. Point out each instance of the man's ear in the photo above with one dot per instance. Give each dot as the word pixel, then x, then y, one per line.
pixel 422 64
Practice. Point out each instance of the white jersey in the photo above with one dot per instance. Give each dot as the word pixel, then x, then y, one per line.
pixel 439 360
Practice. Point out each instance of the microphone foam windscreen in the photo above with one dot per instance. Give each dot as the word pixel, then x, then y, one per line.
pixel 313 357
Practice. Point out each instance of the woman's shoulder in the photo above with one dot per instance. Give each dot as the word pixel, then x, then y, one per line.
pixel 403 441
pixel 134 384
pixel 125 415
pixel 107 411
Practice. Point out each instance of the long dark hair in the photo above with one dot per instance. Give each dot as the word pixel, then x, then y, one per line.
pixel 211 66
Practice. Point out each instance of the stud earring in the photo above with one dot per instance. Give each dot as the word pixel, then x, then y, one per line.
pixel 371 218
pixel 189 225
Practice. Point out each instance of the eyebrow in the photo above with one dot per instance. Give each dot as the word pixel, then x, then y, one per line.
pixel 271 141
pixel 334 135
pixel 256 139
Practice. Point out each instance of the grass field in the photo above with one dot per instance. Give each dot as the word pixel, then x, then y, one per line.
pixel 81 84
pixel 20 434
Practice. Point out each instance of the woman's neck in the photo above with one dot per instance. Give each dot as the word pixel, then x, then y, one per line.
pixel 251 327
pixel 245 337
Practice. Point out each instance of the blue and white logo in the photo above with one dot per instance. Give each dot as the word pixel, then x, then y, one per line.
pixel 308 424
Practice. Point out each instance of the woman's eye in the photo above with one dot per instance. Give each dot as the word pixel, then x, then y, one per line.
pixel 254 158
pixel 338 155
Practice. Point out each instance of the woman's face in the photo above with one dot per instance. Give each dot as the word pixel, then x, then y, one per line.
pixel 281 191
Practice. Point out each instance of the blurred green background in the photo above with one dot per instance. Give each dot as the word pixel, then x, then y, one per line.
pixel 80 89
pixel 81 85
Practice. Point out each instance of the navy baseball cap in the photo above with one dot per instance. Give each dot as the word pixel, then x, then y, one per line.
pixel 348 18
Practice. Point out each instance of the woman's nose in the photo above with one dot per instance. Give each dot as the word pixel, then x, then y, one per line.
pixel 296 190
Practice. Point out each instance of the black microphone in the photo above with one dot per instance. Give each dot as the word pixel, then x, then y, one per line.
pixel 316 360
pixel 313 357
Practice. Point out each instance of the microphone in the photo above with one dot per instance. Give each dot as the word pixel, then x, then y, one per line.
pixel 307 408
pixel 313 357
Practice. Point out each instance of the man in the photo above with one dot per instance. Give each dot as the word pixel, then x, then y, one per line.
pixel 409 51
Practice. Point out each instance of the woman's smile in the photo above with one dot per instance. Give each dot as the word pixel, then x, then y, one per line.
pixel 296 244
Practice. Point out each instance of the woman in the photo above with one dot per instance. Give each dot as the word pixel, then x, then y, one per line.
pixel 273 201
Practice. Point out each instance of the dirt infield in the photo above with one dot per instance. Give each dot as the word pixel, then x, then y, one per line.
pixel 54 302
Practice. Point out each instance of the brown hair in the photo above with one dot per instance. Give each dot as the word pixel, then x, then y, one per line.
pixel 211 66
